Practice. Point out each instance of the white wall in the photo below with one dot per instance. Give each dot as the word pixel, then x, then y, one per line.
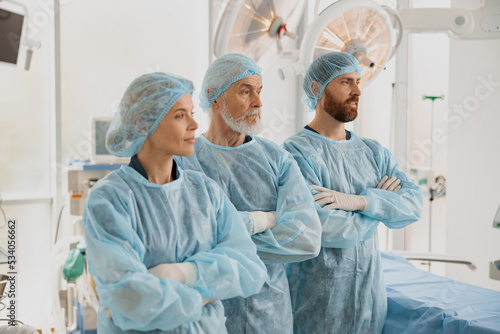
pixel 25 115
pixel 428 75
pixel 474 155
pixel 107 44
pixel 465 150
pixel 25 162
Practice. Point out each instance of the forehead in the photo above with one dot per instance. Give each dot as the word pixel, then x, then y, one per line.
pixel 253 80
pixel 351 76
pixel 184 102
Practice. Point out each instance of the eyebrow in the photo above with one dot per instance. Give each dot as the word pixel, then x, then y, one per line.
pixel 182 109
pixel 245 85
pixel 350 79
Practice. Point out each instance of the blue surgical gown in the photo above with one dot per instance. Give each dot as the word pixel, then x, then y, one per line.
pixel 342 290
pixel 260 176
pixel 131 225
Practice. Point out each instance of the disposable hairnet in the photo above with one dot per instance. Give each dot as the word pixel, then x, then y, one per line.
pixel 222 73
pixel 145 102
pixel 322 70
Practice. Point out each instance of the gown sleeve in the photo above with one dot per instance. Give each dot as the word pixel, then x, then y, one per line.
pixel 297 234
pixel 345 229
pixel 396 209
pixel 232 268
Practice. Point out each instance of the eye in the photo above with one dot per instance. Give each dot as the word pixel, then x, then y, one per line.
pixel 179 116
pixel 246 91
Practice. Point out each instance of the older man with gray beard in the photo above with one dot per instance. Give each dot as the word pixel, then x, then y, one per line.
pixel 264 183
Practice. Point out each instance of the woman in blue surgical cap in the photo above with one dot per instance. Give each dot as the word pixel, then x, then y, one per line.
pixel 164 245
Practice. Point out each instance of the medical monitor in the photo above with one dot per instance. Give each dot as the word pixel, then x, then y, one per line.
pixel 100 154
pixel 11 26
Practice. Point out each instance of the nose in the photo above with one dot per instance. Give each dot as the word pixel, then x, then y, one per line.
pixel 257 101
pixel 193 125
pixel 356 90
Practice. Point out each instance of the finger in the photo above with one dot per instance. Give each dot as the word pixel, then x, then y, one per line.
pixel 388 183
pixel 331 206
pixel 104 308
pixel 322 195
pixel 394 185
pixel 398 187
pixel 379 185
pixel 319 188
pixel 326 200
pixel 206 301
pixel 108 315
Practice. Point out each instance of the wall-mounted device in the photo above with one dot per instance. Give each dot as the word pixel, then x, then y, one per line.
pixel 13 35
pixel 11 28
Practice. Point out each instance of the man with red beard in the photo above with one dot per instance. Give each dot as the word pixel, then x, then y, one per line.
pixel 356 184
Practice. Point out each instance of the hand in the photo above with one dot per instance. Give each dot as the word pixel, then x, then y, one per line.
pixel 338 200
pixel 206 301
pixel 391 184
pixel 185 272
pixel 263 220
pixel 108 315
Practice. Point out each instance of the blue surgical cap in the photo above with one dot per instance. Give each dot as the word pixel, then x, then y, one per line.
pixel 322 70
pixel 222 73
pixel 145 102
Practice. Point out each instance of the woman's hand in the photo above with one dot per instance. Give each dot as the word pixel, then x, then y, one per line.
pixel 185 272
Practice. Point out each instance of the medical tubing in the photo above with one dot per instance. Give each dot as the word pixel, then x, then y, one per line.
pixel 58 223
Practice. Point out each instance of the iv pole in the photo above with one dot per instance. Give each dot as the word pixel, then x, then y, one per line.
pixel 431 188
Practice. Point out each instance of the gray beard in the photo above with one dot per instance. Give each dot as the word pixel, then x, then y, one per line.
pixel 240 125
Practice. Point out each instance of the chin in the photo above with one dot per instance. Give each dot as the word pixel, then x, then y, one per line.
pixel 185 152
pixel 189 152
pixel 254 123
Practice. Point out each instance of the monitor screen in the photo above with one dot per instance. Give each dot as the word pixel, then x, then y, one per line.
pixel 11 26
pixel 100 154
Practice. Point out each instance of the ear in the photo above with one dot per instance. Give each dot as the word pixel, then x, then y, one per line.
pixel 214 105
pixel 315 87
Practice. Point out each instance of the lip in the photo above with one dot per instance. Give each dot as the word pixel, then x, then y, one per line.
pixel 191 140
